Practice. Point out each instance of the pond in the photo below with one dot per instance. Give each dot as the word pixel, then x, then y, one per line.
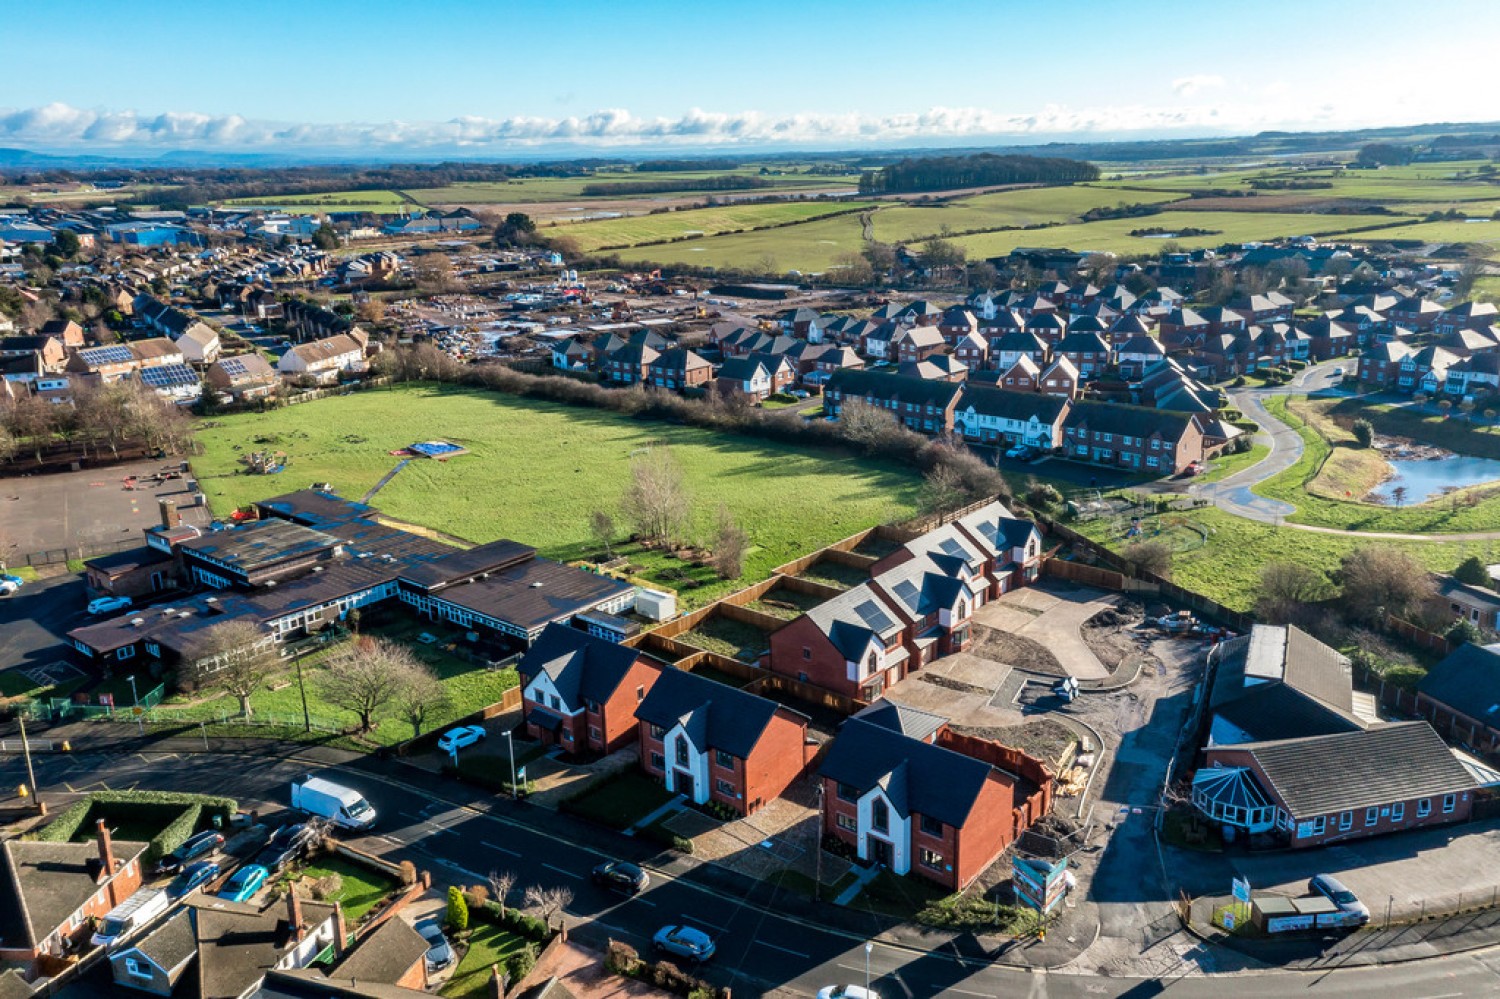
pixel 1426 478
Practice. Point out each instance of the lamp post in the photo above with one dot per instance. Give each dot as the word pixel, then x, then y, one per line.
pixel 36 799
pixel 510 753
pixel 135 698
pixel 302 685
pixel 869 946
pixel 818 847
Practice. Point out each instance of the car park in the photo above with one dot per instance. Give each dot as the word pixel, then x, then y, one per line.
pixel 1333 889
pixel 618 876
pixel 684 941
pixel 244 883
pixel 439 955
pixel 194 876
pixel 105 605
pixel 458 738
pixel 199 845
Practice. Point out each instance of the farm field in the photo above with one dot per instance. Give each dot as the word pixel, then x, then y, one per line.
pixel 1416 182
pixel 1485 235
pixel 595 235
pixel 332 201
pixel 571 188
pixel 537 470
pixel 1031 206
pixel 810 247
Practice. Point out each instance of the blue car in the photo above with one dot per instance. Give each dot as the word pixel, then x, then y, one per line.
pixel 194 876
pixel 684 941
pixel 244 883
pixel 6 577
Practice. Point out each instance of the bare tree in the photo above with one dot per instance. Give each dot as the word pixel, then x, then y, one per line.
pixel 433 273
pixel 1286 588
pixel 942 489
pixel 547 902
pixel 1154 557
pixel 365 676
pixel 656 503
pixel 8 444
pixel 236 657
pixel 867 426
pixel 501 883
pixel 730 546
pixel 1398 495
pixel 603 532
pixel 420 696
pixel 29 418
pixel 1379 579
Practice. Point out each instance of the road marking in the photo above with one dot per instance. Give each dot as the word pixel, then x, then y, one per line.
pixel 462 870
pixel 566 874
pixel 502 849
pixel 982 995
pixel 689 919
pixel 392 839
pixel 645 901
pixel 784 950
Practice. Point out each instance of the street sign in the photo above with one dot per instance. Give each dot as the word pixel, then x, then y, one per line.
pixel 1039 884
pixel 1241 890
pixel 521 776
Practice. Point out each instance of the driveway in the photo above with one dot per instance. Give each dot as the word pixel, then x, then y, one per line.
pixel 1054 618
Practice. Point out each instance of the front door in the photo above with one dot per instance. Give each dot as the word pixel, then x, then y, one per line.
pixel 880 852
pixel 684 784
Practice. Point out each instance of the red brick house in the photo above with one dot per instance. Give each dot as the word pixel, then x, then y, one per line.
pixel 743 376
pixel 920 404
pixel 956 323
pixel 907 794
pixel 1089 353
pixel 1132 437
pixel 972 351
pixel 780 369
pixel 853 644
pixel 1009 348
pixel 1330 338
pixel 629 364
pixel 1022 376
pixel 1334 788
pixel 918 343
pixel 1466 315
pixel 1415 313
pixel 678 369
pixel 580 692
pixel 1060 379
pixel 49 892
pixel 714 743
pixel 1182 327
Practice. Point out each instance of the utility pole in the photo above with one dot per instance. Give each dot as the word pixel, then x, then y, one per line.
pixel 818 848
pixel 36 799
pixel 302 685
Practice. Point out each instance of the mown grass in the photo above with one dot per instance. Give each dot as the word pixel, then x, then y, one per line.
pixel 536 471
pixel 362 888
pixel 1228 464
pixel 621 800
pixel 657 228
pixel 1029 206
pixel 488 945
pixel 811 247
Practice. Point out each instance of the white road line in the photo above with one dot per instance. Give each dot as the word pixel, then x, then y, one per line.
pixel 982 995
pixel 784 950
pixel 492 846
pixel 645 901
pixel 392 839
pixel 704 922
pixel 566 874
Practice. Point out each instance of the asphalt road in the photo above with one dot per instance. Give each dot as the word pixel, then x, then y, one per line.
pixel 760 951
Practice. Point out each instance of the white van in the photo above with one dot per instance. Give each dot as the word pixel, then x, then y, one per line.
pixel 130 915
pixel 343 806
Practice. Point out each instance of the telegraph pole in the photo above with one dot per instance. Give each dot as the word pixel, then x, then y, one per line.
pixel 30 773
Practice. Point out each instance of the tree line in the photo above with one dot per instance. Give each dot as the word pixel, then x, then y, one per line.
pixel 724 182
pixel 99 418
pixel 940 173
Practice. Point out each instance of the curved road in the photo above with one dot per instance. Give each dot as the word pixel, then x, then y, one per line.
pixel 762 951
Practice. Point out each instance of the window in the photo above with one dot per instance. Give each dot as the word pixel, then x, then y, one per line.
pixel 723 759
pixel 640 694
pixel 1346 820
pixel 1450 802
pixel 567 735
pixel 932 860
pixel 1424 808
pixel 724 787
pixel 931 826
pixel 871 663
pixel 658 761
pixel 594 732
pixel 847 792
pixel 657 731
pixel 592 706
pixel 126 652
pixel 847 823
pixel 1398 811
pixel 136 968
pixel 806 652
pixel 1319 826
pixel 682 752
pixel 1372 816
pixel 880 815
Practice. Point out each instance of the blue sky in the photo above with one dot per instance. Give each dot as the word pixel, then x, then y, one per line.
pixel 445 73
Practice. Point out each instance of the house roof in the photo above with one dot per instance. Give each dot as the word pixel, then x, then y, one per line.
pixel 239 943
pixel 244 369
pixel 715 715
pixel 1281 683
pixel 323 350
pixel 920 586
pixel 995 526
pixel 1136 421
pixel 855 618
pixel 1323 774
pixel 918 777
pixel 911 722
pixel 582 667
pixel 1468 681
pixel 155 347
pixel 680 359
pixel 385 955
pixel 533 592
pixel 45 883
pixel 880 385
pixel 742 369
pixel 1083 343
pixel 1009 405
pixel 171 943
pixel 261 543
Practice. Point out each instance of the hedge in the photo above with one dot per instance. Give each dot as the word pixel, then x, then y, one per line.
pixel 179 812
pixel 512 919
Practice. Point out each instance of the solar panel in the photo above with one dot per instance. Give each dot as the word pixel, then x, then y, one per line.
pixel 108 355
pixel 232 366
pixel 873 617
pixel 169 376
pixel 907 591
pixel 952 547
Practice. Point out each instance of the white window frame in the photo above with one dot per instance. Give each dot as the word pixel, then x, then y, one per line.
pixel 1372 815
pixel 1450 803
pixel 1398 811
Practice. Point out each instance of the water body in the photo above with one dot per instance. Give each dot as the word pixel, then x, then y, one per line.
pixel 1426 478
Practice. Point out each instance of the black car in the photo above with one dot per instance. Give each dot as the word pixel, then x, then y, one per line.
pixel 290 843
pixel 200 845
pixel 618 876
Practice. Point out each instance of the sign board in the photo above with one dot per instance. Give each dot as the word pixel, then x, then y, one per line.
pixel 1241 890
pixel 1038 883
pixel 1227 919
pixel 108 700
pixel 1283 924
pixel 521 776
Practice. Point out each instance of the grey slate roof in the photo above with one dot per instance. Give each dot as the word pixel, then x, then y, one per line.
pixel 918 777
pixel 1281 683
pixel 581 666
pixel 879 385
pixel 716 715
pixel 171 943
pixel 43 884
pixel 1468 681
pixel 909 721
pixel 1324 774
pixel 853 618
pixel 385 955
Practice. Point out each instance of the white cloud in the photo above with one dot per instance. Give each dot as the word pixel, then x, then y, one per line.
pixel 1189 86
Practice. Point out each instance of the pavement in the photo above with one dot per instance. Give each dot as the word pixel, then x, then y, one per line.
pixel 1054 616
pixel 771 942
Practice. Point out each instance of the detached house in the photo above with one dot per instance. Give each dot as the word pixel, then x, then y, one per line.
pixel 1467 315
pixel 713 743
pixel 851 644
pixel 679 368
pixel 629 364
pixel 323 361
pixel 580 692
pixel 745 376
pixel 1461 695
pixel 243 378
pixel 917 343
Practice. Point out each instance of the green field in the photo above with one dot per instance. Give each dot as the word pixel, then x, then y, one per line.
pixel 388 202
pixel 901 223
pixel 810 247
pixel 537 471
pixel 1485 234
pixel 1416 182
pixel 635 229
pixel 530 189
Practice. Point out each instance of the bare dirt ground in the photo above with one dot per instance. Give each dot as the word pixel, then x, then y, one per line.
pixel 1113 637
pixel 1017 650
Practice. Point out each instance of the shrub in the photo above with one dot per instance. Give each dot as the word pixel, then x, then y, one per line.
pixel 622 959
pixel 1364 432
pixel 458 911
pixel 1242 444
pixel 521 962
pixel 1406 677
pixel 179 814
pixel 1464 631
pixel 1043 496
pixel 512 919
pixel 408 873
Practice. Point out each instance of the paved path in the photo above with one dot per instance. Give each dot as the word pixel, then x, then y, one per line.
pixel 1058 626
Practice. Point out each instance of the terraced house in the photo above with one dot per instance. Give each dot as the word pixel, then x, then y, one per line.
pixel 920 404
pixel 998 416
pixel 1132 437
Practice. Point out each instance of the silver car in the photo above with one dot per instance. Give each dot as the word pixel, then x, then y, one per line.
pixel 439 951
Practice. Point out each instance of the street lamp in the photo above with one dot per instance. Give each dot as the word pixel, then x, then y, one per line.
pixel 869 946
pixel 135 698
pixel 510 752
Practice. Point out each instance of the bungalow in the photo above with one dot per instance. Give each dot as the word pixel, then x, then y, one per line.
pixel 1132 437
pixel 717 744
pixel 853 644
pixel 923 405
pixel 1324 789
pixel 1279 683
pixel 745 376
pixel 243 378
pixel 200 344
pixel 1479 605
pixel 1461 695
pixel 580 692
pixel 680 368
pixel 896 793
pixel 323 361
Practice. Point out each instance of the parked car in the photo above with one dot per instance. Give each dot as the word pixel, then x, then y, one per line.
pixel 105 605
pixel 130 915
pixel 1018 451
pixel 288 845
pixel 1336 373
pixel 194 876
pixel 461 737
pixel 1333 889
pixel 847 992
pixel 13 580
pixel 200 845
pixel 244 883
pixel 616 875
pixel 7 587
pixel 684 941
pixel 439 951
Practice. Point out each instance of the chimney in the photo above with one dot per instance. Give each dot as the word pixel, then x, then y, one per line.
pixel 106 851
pixel 170 517
pixel 294 915
pixel 497 984
pixel 340 931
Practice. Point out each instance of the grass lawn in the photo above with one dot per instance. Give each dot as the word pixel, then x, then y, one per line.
pixel 537 470
pixel 811 247
pixel 362 888
pixel 620 801
pixel 390 202
pixel 664 226
pixel 488 945
pixel 1330 467
pixel 1228 464
pixel 905 222
pixel 734 639
pixel 785 604
pixel 903 897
